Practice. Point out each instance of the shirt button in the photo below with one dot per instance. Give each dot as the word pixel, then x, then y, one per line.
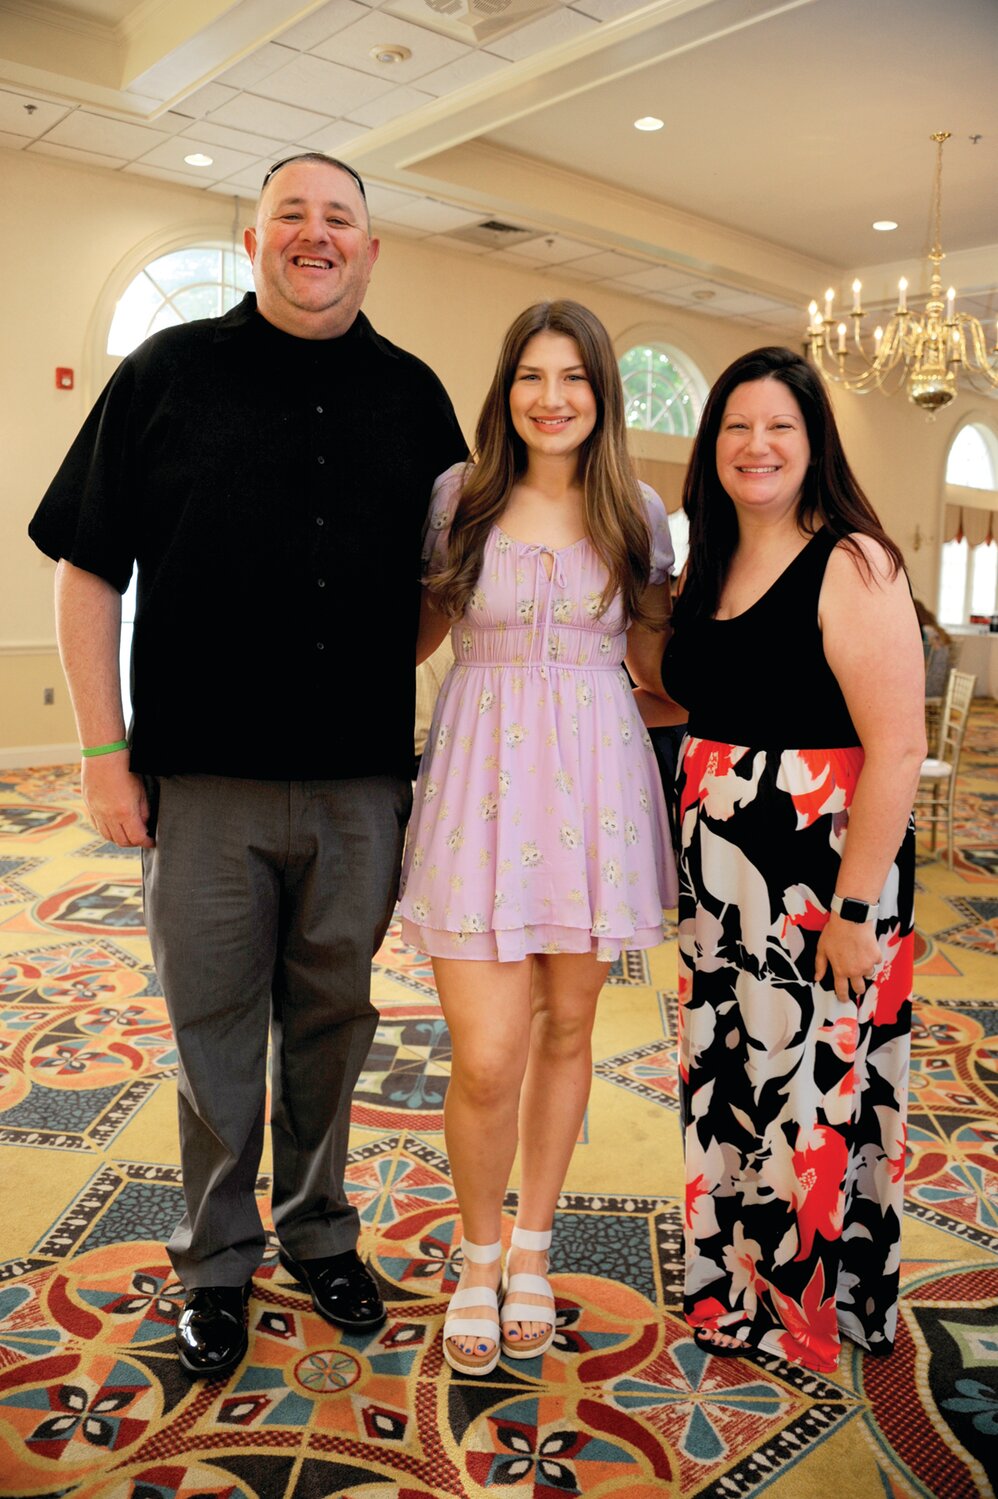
pixel 321 582
pixel 319 521
pixel 321 459
pixel 319 645
pixel 319 410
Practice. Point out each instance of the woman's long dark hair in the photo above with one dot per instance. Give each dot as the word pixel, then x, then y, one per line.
pixel 614 512
pixel 830 496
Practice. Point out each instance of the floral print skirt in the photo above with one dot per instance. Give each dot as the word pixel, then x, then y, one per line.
pixel 793 1102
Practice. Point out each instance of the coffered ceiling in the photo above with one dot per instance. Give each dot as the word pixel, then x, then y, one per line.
pixel 788 127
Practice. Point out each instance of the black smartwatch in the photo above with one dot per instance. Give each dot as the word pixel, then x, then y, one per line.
pixel 849 909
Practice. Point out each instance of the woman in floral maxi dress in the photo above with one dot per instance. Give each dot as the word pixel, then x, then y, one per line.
pixel 797 652
pixel 538 847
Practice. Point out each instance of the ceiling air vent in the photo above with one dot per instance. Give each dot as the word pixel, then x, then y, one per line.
pixel 494 234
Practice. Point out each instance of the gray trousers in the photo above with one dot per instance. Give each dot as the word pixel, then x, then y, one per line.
pixel 265 903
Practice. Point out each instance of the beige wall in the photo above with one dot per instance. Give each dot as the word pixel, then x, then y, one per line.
pixel 72 237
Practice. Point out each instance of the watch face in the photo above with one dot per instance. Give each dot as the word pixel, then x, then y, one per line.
pixel 854 910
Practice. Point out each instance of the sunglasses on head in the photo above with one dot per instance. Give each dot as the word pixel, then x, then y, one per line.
pixel 315 156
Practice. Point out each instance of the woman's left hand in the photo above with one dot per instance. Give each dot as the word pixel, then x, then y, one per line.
pixel 851 950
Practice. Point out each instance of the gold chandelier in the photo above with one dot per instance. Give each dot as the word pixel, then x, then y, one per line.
pixel 927 355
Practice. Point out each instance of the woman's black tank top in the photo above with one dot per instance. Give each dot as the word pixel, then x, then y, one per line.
pixel 761 679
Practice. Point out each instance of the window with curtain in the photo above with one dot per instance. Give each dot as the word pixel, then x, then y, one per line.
pixel 663 389
pixel 968 580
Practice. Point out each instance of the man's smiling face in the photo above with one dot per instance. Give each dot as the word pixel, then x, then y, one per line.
pixel 311 250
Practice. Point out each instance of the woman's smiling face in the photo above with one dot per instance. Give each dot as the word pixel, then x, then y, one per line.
pixel 762 450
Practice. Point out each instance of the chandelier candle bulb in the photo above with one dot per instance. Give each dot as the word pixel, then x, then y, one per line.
pixel 878 334
pixel 842 339
pixel 903 294
pixel 829 298
pixel 950 303
pixel 857 287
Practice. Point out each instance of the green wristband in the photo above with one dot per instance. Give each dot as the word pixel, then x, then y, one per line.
pixel 105 749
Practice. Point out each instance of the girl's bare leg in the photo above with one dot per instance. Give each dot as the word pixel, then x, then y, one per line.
pixel 552 1100
pixel 488 1013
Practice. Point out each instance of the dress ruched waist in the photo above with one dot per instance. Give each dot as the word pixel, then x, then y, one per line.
pixel 529 646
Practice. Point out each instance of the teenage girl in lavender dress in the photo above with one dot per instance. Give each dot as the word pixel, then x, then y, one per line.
pixel 538 848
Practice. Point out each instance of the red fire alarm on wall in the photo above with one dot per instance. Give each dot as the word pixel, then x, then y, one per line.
pixel 64 379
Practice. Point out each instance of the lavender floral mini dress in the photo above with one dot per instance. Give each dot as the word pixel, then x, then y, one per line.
pixel 539 824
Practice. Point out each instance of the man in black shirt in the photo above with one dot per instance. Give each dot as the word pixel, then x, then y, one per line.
pixel 269 472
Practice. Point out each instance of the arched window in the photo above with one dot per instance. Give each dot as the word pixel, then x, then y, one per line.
pixel 968 581
pixel 663 389
pixel 197 281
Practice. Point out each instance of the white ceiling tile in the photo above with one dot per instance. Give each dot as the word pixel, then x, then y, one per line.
pixel 317 84
pixel 382 201
pixel 20 114
pixel 522 261
pixel 409 231
pixel 655 278
pixel 399 102
pixel 246 195
pixel 322 23
pixel 332 138
pixel 472 68
pixel 607 10
pixel 204 100
pixel 550 31
pixel 353 46
pixel 256 66
pixel 172 121
pixel 436 218
pixel 731 302
pixel 248 179
pixel 448 242
pixel 609 263
pixel 82 158
pixel 238 140
pixel 267 117
pixel 224 161
pixel 13 142
pixel 92 132
pixel 185 179
pixel 553 249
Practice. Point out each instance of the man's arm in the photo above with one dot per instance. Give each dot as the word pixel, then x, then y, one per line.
pixel 88 624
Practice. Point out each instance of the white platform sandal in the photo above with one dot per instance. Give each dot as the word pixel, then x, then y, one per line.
pixel 525 1311
pixel 474 1327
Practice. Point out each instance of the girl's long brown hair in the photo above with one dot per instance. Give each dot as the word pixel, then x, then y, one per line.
pixel 614 511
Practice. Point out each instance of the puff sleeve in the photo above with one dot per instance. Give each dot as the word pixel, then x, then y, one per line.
pixel 662 552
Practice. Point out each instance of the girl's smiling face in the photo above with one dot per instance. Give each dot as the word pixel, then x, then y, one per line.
pixel 551 401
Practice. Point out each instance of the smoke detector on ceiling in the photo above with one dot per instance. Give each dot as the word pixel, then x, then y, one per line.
pixel 470 21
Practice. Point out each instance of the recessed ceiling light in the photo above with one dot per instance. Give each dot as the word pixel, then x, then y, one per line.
pixel 648 122
pixel 390 52
pixel 199 159
pixel 884 225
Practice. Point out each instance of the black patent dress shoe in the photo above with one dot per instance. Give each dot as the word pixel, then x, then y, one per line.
pixel 211 1330
pixel 342 1289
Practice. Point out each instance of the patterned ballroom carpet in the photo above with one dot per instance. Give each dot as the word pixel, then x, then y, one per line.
pixel 94 1406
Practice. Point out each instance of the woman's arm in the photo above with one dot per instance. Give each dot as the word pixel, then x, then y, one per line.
pixel 873 645
pixel 433 626
pixel 645 649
